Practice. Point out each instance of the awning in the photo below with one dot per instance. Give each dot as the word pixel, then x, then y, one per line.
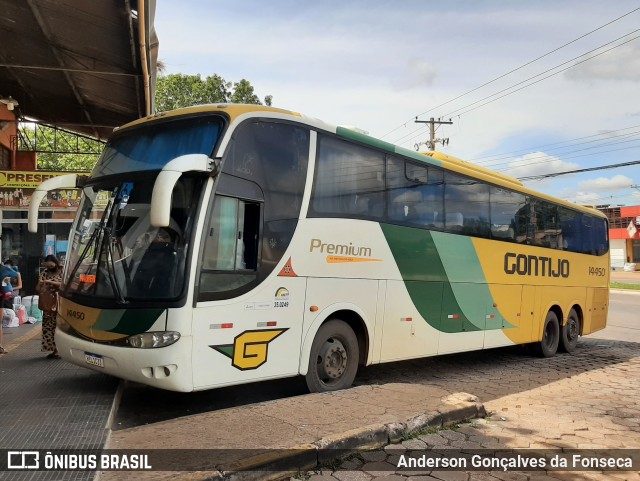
pixel 84 65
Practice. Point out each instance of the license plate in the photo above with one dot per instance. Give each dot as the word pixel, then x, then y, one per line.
pixel 94 359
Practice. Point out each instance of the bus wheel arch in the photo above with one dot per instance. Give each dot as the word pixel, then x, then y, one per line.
pixel 550 339
pixel 356 323
pixel 333 358
pixel 571 329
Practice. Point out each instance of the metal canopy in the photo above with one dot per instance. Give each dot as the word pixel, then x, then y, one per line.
pixel 85 65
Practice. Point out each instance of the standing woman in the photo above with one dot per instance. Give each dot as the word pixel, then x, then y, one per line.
pixel 48 287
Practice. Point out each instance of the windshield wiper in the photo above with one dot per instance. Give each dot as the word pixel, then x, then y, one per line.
pixel 111 267
pixel 92 239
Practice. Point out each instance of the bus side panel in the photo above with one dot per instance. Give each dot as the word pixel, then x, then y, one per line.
pixel 331 295
pixel 565 298
pixel 406 334
pixel 254 337
pixel 506 314
pixel 463 317
pixel 597 309
pixel 528 321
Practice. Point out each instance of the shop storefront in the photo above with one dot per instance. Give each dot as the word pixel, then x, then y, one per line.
pixel 56 214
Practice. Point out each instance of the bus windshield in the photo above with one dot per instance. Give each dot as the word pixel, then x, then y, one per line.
pixel 152 147
pixel 117 255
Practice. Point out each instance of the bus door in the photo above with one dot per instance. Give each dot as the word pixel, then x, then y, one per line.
pixel 247 324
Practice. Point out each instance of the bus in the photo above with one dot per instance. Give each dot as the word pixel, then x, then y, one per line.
pixel 225 244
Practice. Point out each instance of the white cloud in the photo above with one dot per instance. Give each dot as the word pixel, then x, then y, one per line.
pixel 617 182
pixel 538 163
pixel 587 198
pixel 418 73
pixel 623 63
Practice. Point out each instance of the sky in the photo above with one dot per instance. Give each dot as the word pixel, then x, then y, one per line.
pixel 377 65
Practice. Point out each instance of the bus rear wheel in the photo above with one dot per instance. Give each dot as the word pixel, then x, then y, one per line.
pixel 333 361
pixel 548 346
pixel 570 332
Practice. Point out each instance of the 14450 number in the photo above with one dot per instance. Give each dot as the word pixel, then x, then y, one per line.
pixel 597 271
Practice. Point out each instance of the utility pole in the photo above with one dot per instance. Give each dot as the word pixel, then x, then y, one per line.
pixel 432 133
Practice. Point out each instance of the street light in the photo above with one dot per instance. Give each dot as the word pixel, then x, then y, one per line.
pixel 10 102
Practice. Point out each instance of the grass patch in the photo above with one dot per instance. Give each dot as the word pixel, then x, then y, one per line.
pixel 622 285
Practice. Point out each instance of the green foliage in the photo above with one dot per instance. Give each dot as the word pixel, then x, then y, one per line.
pixel 622 285
pixel 180 90
pixel 72 162
pixel 59 150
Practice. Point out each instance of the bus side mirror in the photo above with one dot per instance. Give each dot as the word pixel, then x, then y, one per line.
pixel 68 181
pixel 160 213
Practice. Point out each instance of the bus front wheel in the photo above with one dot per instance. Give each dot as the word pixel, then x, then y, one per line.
pixel 570 332
pixel 333 361
pixel 548 346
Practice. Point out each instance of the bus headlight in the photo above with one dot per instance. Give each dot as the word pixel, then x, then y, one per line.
pixel 149 340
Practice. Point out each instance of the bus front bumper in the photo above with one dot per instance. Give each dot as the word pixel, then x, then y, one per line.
pixel 165 368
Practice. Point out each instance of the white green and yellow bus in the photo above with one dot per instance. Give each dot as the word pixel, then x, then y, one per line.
pixel 225 244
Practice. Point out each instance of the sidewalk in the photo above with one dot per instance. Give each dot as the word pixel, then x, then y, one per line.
pixel 50 404
pixel 298 432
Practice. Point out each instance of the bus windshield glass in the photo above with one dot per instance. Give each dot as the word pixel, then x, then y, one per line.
pixel 151 147
pixel 117 255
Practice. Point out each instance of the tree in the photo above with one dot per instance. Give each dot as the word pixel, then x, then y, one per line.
pixel 180 90
pixel 59 149
pixel 72 162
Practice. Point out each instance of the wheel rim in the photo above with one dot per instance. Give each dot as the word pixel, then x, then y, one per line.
pixel 572 330
pixel 332 360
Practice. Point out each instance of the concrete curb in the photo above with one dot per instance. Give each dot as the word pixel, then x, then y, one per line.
pixel 284 463
pixel 625 291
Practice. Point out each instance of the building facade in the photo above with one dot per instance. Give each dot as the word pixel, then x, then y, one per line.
pixel 18 179
pixel 624 234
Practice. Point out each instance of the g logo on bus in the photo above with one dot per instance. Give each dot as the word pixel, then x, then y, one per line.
pixel 249 349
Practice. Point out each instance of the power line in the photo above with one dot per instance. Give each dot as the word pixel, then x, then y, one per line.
pixel 506 155
pixel 590 169
pixel 548 76
pixel 512 71
pixel 565 156
pixel 537 81
pixel 551 159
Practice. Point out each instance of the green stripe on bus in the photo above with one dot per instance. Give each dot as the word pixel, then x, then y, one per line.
pixel 365 139
pixel 127 321
pixel 468 282
pixel 426 279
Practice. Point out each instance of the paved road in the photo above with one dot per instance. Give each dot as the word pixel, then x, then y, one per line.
pixel 587 400
pixel 624 317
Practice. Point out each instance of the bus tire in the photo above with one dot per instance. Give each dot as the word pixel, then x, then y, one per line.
pixel 548 346
pixel 333 360
pixel 570 332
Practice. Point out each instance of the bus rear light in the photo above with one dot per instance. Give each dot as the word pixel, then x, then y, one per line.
pixel 226 325
pixel 150 340
pixel 453 316
pixel 267 324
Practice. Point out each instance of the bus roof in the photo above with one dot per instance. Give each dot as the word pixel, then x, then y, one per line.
pixel 431 157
